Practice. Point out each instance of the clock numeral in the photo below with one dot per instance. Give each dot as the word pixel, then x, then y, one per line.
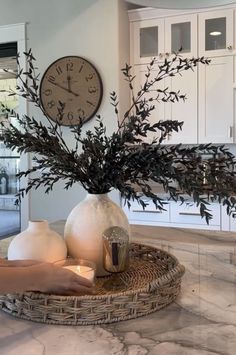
pixel 51 79
pixel 70 116
pixel 50 104
pixel 92 89
pixel 47 92
pixel 59 70
pixel 60 116
pixel 89 77
pixel 81 113
pixel 69 66
pixel 90 103
pixel 81 68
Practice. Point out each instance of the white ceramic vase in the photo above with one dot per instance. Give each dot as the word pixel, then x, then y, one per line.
pixel 38 242
pixel 85 226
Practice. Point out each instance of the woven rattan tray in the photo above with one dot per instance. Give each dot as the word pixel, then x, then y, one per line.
pixel 152 282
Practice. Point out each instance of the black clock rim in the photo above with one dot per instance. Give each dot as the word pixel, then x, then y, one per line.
pixel 100 83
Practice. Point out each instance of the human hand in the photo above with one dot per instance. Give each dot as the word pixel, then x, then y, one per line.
pixel 18 263
pixel 58 280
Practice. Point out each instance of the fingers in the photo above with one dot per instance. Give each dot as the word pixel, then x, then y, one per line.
pixel 83 281
pixel 58 280
pixel 21 263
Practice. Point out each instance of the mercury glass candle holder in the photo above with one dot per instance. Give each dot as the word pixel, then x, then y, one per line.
pixel 115 255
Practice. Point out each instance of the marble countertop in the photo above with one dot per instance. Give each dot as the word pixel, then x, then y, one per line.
pixel 202 320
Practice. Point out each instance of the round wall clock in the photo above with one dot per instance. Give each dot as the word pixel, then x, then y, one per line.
pixel 72 83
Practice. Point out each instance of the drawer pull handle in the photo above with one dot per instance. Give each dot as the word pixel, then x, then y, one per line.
pixel 146 211
pixel 189 214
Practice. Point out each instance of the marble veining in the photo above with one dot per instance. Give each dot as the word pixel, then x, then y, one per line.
pixel 202 320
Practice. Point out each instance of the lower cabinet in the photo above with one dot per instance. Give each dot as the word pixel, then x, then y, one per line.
pixel 185 215
pixel 228 223
pixel 149 216
pixel 188 215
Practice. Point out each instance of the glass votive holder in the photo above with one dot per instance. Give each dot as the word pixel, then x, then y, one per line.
pixel 82 267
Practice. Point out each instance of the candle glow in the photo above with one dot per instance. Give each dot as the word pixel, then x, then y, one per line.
pixel 83 271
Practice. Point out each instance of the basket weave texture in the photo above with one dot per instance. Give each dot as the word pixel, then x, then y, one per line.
pixel 151 282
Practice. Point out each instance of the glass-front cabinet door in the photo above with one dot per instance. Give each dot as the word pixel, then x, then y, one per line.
pixel 216 33
pixel 9 160
pixel 147 39
pixel 181 33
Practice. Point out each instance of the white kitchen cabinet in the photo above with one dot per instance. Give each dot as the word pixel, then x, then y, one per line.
pixel 228 223
pixel 185 111
pixel 216 113
pixel 216 34
pixel 159 113
pixel 161 37
pixel 208 113
pixel 176 214
pixel 181 32
pixel 147 40
pixel 188 215
pixel 149 216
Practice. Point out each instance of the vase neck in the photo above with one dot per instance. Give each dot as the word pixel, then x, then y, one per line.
pixel 38 225
pixel 97 196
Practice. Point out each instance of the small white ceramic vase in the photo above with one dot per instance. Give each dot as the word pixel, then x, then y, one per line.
pixel 85 226
pixel 38 242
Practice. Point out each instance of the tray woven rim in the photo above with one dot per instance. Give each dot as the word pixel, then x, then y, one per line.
pixel 105 308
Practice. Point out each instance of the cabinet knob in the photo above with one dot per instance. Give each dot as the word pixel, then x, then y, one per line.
pixel 167 54
pixel 230 48
pixel 160 55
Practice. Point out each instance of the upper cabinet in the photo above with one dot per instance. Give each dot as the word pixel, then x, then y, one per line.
pixel 160 38
pixel 216 34
pixel 208 113
pixel 147 40
pixel 181 32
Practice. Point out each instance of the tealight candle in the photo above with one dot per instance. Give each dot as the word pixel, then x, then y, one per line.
pixel 82 270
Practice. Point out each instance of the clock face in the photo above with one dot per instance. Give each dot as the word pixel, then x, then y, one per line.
pixel 74 82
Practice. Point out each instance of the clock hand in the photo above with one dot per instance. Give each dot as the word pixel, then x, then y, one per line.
pixel 64 88
pixel 69 81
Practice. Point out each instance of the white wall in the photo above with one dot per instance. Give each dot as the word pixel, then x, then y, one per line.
pixel 94 29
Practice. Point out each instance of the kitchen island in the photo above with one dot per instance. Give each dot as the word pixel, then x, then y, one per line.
pixel 202 320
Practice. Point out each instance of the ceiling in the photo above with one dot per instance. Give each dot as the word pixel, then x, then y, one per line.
pixel 180 4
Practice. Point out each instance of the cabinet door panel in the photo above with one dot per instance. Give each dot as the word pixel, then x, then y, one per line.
pixel 181 31
pixel 159 112
pixel 216 33
pixel 228 223
pixel 150 214
pixel 147 40
pixel 190 214
pixel 185 111
pixel 216 101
